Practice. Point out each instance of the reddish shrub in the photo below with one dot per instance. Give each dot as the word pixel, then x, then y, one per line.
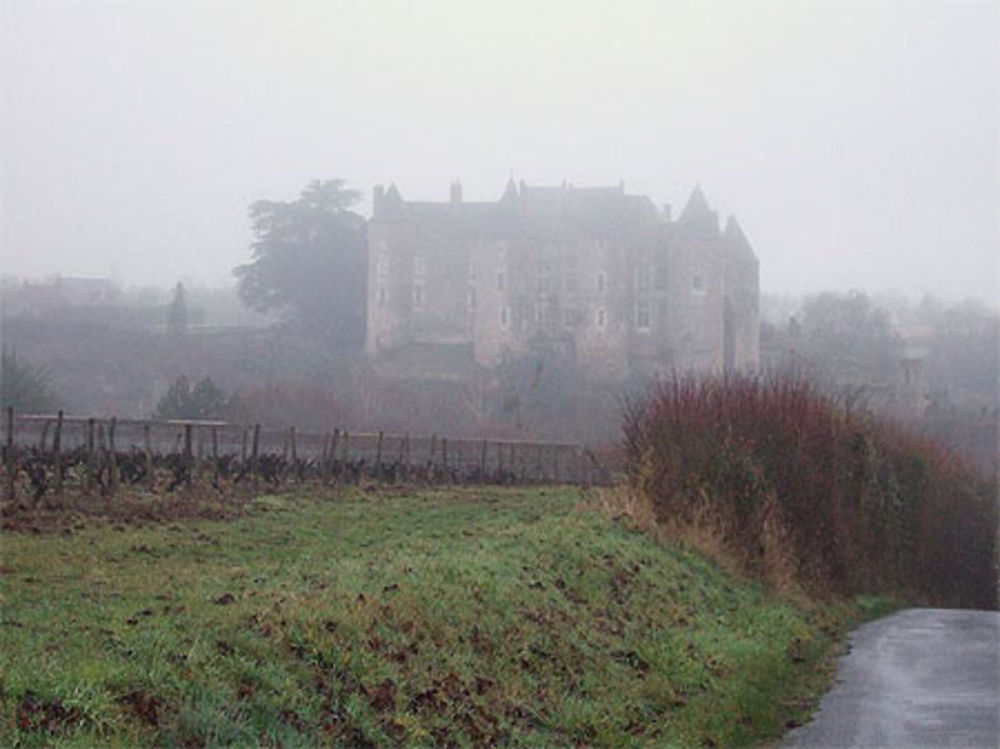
pixel 855 504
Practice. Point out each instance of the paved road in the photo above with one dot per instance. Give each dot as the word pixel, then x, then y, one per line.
pixel 918 679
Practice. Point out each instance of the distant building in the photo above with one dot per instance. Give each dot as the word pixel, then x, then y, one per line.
pixel 600 275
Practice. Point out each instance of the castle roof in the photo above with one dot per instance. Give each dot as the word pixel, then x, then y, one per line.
pixel 736 242
pixel 510 193
pixel 555 211
pixel 697 215
pixel 734 234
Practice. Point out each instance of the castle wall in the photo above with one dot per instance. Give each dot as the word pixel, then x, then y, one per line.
pixel 606 280
pixel 697 292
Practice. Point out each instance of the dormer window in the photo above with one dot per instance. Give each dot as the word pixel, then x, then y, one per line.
pixel 698 285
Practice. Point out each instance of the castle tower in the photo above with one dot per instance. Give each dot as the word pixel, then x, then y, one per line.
pixel 742 294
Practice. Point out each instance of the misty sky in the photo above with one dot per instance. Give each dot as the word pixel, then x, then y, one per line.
pixel 856 141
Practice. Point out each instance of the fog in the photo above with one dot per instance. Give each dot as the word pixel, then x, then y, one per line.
pixel 856 141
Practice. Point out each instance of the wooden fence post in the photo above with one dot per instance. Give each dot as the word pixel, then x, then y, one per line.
pixel 283 475
pixel 482 461
pixel 100 456
pixel 45 435
pixel 294 453
pixel 324 452
pixel 112 458
pixel 57 453
pixel 430 470
pixel 89 473
pixel 332 457
pixel 378 454
pixel 345 455
pixel 253 454
pixel 147 448
pixel 444 456
pixel 406 458
pixel 188 457
pixel 215 456
pixel 243 450
pixel 9 455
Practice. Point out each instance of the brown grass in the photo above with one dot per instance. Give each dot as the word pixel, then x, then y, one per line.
pixel 776 481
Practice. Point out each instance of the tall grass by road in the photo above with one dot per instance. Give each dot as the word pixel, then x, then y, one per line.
pixel 794 490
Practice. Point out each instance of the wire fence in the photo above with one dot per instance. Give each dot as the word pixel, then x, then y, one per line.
pixel 58 454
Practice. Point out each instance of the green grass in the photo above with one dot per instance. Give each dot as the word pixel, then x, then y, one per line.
pixel 465 617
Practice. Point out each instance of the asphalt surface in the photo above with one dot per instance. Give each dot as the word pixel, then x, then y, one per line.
pixel 918 679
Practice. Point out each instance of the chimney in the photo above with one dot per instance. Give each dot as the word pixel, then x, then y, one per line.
pixel 456 192
pixel 377 195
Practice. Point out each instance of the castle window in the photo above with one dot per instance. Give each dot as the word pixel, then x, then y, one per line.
pixel 543 277
pixel 381 266
pixel 661 278
pixel 602 318
pixel 642 316
pixel 472 274
pixel 419 267
pixel 698 285
pixel 505 318
pixel 643 280
pixel 472 298
pixel 418 295
pixel 601 282
pixel 382 295
pixel 500 281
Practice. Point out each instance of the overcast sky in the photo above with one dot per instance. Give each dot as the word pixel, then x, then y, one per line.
pixel 857 142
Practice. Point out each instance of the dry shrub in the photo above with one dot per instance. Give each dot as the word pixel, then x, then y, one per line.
pixel 777 481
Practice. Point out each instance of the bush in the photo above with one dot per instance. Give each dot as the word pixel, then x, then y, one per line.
pixel 203 400
pixel 794 490
pixel 23 387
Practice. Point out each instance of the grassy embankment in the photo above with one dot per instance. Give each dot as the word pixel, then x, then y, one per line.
pixel 465 617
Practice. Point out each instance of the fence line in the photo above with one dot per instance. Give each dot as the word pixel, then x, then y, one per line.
pixel 48 454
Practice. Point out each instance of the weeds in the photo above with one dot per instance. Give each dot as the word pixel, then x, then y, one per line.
pixel 800 493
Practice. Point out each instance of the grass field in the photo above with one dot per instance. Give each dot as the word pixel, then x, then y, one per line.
pixel 392 617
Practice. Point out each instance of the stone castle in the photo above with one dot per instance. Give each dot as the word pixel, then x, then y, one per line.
pixel 597 274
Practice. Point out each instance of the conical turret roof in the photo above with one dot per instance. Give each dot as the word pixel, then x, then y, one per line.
pixel 697 205
pixel 510 192
pixel 736 240
pixel 697 217
pixel 734 233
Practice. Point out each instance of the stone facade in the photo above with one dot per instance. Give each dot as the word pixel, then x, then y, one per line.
pixel 598 274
